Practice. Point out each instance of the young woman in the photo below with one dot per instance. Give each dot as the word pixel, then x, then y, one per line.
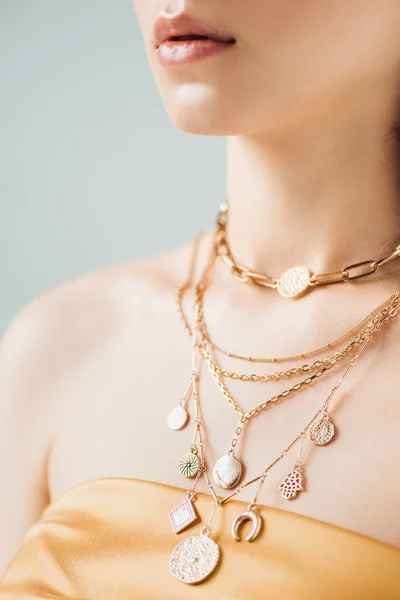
pixel 308 96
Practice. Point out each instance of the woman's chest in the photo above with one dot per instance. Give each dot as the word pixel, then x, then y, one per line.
pixel 113 423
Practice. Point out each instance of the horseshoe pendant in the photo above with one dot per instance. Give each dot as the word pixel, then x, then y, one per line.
pixel 247 515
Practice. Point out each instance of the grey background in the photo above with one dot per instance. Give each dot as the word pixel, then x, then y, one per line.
pixel 92 171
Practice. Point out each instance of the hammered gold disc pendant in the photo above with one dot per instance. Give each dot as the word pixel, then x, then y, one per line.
pixel 189 464
pixel 294 282
pixel 322 432
pixel 194 559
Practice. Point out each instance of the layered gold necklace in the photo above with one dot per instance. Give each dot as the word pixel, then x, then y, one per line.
pixel 196 557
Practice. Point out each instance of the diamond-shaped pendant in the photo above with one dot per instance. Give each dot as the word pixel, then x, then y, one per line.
pixel 182 516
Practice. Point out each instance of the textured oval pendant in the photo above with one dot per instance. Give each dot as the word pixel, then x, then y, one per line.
pixel 227 471
pixel 189 464
pixel 194 559
pixel 177 418
pixel 322 432
pixel 293 282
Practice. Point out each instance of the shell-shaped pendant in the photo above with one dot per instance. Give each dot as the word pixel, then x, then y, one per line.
pixel 322 432
pixel 189 464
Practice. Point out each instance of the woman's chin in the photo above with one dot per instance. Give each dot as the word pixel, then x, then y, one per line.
pixel 204 110
pixel 206 121
pixel 198 110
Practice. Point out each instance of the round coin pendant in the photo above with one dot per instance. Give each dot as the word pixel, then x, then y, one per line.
pixel 189 464
pixel 322 432
pixel 227 472
pixel 177 418
pixel 293 282
pixel 194 559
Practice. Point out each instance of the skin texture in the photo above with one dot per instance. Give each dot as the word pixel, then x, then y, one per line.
pixel 89 371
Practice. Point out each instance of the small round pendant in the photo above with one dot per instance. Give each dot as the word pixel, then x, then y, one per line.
pixel 294 282
pixel 177 418
pixel 322 432
pixel 227 472
pixel 194 559
pixel 189 464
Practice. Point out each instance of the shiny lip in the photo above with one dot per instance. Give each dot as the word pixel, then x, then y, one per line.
pixel 167 28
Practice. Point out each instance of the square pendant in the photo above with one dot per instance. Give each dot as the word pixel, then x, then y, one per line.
pixel 182 516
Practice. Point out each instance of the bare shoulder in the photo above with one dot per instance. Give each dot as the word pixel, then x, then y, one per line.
pixel 77 313
pixel 56 339
pixel 58 348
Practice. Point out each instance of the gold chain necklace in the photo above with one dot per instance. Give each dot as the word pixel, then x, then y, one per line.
pixel 303 355
pixel 298 279
pixel 228 469
pixel 319 364
pixel 195 558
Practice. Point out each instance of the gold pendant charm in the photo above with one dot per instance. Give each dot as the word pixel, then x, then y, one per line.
pixel 194 559
pixel 293 282
pixel 227 471
pixel 189 464
pixel 248 515
pixel 293 483
pixel 182 516
pixel 322 432
pixel 177 418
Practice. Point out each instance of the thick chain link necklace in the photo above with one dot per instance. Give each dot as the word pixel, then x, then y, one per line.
pixel 296 280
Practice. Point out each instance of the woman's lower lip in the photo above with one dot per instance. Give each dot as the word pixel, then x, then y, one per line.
pixel 177 52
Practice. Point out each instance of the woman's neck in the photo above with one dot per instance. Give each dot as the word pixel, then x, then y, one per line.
pixel 322 193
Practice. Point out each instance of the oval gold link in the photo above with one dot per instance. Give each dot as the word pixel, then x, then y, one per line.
pixel 366 267
pixel 262 280
pixel 327 278
pixel 240 272
pixel 383 261
pixel 225 258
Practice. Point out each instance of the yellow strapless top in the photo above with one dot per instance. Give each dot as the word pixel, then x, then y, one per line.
pixel 111 539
